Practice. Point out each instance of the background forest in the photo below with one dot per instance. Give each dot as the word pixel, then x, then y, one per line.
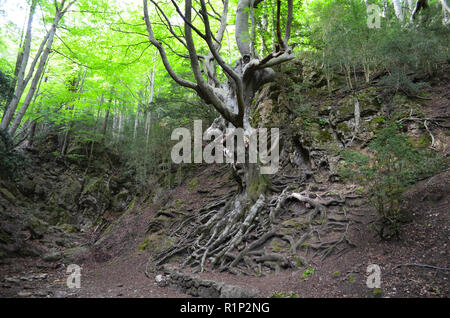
pixel 97 79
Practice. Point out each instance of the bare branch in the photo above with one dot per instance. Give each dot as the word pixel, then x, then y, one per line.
pixel 168 25
pixel 228 69
pixel 163 54
pixel 187 21
pixel 213 10
pixel 72 60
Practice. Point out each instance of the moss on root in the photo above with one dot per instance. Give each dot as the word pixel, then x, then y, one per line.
pixel 258 185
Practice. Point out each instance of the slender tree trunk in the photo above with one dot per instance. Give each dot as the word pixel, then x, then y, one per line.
pixel 136 121
pixel 18 62
pixel 446 18
pixel 78 88
pixel 34 83
pixel 150 101
pixel 91 151
pixel 21 64
pixel 274 29
pixel 34 122
pixel 32 133
pixel 105 123
pixel 120 126
pixel 42 55
pixel 264 26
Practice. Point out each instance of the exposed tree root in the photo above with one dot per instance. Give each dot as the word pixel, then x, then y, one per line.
pixel 228 234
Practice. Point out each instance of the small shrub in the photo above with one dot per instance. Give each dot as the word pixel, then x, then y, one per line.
pixel 391 167
pixel 193 184
pixel 351 278
pixel 310 271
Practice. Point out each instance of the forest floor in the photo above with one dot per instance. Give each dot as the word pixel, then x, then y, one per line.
pixel 423 241
pixel 415 264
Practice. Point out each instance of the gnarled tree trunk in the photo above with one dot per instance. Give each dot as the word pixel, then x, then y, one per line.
pixel 228 227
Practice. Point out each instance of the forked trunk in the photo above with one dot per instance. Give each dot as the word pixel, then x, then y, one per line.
pixel 222 230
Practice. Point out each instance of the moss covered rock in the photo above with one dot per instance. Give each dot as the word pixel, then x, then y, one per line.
pixel 403 106
pixel 95 198
pixel 68 228
pixel 36 227
pixel 75 254
pixel 157 242
pixel 369 104
pixel 120 201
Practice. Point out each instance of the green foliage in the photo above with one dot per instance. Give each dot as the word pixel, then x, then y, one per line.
pixel 351 278
pixel 407 53
pixel 392 165
pixel 308 272
pixel 377 292
pixel 149 156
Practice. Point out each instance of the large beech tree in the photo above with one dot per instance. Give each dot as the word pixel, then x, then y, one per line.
pixel 231 97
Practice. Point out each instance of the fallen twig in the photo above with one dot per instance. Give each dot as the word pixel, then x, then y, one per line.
pixel 423 265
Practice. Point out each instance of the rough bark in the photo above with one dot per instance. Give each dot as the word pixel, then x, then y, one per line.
pixel 33 127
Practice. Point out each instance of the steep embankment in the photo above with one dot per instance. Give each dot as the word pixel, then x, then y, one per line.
pixel 312 251
pixel 54 204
